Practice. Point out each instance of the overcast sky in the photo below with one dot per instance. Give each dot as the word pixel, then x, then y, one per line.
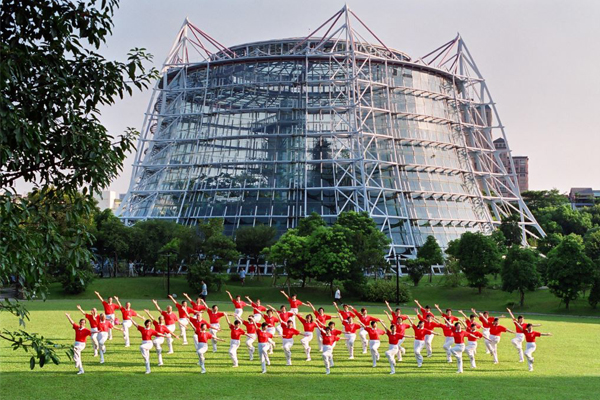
pixel 540 58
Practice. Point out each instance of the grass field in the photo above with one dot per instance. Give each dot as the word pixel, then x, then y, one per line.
pixel 567 364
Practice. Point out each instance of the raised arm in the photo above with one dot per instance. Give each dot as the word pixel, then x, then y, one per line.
pixel 285 294
pixel 227 318
pixel 99 297
pixel 388 307
pixel 336 307
pixel 135 323
pixel 463 314
pixel 511 314
pixel 80 309
pixel 70 319
pixel 229 294
pixel 308 303
pixel 249 299
pixel 388 314
pixel 418 304
pixel 156 305
pixel 173 300
pixel 438 308
pixel 118 301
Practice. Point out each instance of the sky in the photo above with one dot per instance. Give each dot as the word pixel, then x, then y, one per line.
pixel 540 59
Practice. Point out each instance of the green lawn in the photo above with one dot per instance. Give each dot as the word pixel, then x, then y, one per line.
pixel 567 366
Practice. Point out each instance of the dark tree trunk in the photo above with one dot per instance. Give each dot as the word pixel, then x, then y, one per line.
pixel 567 303
pixel 480 287
pixel 522 298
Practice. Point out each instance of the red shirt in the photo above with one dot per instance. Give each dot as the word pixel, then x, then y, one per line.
pixel 374 333
pixel 487 323
pixel 308 326
pixel 459 337
pixel 127 314
pixel 346 314
pixel 109 309
pixel 258 309
pixel 426 313
pixel 170 318
pixel 239 304
pixel 203 336
pixel 350 328
pixel 448 330
pixel 181 311
pixel 469 322
pixel 365 319
pixel 329 340
pixel 420 333
pixel 336 332
pixel 105 326
pixel 520 328
pixel 474 335
pixel 395 318
pixel 295 303
pixel 530 336
pixel 93 320
pixel 147 333
pixel 270 320
pixel 394 338
pixel 215 316
pixel 285 316
pixel 263 336
pixel 322 318
pixel 161 328
pixel 198 306
pixel 401 328
pixel 235 332
pixel 250 327
pixel 81 334
pixel 450 318
pixel 497 330
pixel 197 323
pixel 289 333
pixel 430 325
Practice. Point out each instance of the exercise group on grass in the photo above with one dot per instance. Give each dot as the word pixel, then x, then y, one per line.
pixel 282 323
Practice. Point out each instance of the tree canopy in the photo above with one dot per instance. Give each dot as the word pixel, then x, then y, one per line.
pixel 519 271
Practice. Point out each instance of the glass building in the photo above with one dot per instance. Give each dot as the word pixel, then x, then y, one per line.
pixel 269 132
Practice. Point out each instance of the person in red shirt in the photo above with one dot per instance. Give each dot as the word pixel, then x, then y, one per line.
pixel 309 328
pixel 203 337
pixel 530 347
pixel 365 320
pixel 425 311
pixel 92 318
pixel 495 331
pixel 471 319
pixel 109 311
pixel 214 316
pixel 328 341
pixel 374 341
pixel 447 315
pixel 160 327
pixel 395 339
pixel 420 333
pixel 170 320
pixel 321 317
pixel 345 313
pixel 400 329
pixel 350 329
pixel 287 338
pixel 486 321
pixel 250 334
pixel 284 317
pixel 104 327
pixel 234 344
pixel 397 316
pixel 429 323
pixel 264 344
pixel 471 348
pixel 294 304
pixel 459 345
pixel 448 330
pixel 183 310
pixel 197 305
pixel 81 335
pixel 147 334
pixel 520 326
pixel 257 309
pixel 196 320
pixel 271 319
pixel 128 313
pixel 238 304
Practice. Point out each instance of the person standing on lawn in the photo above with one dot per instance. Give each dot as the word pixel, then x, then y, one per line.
pixel 309 328
pixel 250 334
pixel 365 320
pixel 271 319
pixel 93 318
pixel 128 313
pixel 264 344
pixel 530 347
pixel 287 338
pixel 203 336
pixel 81 335
pixel 294 304
pixel 471 348
pixel 236 333
pixel 257 309
pixel 170 319
pixel 328 341
pixel 243 276
pixel 338 295
pixel 400 332
pixel 486 321
pixel 395 339
pixel 238 304
pixel 495 331
pixel 160 327
pixel 520 327
pixel 430 324
pixel 322 318
pixel 109 311
pixel 183 310
pixel 374 341
pixel 104 327
pixel 214 316
pixel 147 334
pixel 204 291
pixel 420 333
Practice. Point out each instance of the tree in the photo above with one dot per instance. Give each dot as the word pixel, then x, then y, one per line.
pixel 291 251
pixel 252 240
pixel 519 271
pixel 594 297
pixel 52 82
pixel 416 269
pixel 111 237
pixel 564 220
pixel 536 199
pixel 430 254
pixel 221 250
pixel 306 226
pixel 592 244
pixel 477 257
pixel 569 269
pixel 511 230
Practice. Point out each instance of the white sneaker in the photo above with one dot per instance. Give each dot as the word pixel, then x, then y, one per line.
pixel 184 343
pixel 96 354
pixel 327 371
pixel 80 372
pixel 202 371
pixel 101 361
pixel 160 364
pixel 147 372
pixel 170 352
pixel 264 371
pixel 392 373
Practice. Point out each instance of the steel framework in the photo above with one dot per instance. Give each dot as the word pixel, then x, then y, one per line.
pixel 269 132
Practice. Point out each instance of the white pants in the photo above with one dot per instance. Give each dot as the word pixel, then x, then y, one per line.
pixel 271 330
pixel 448 344
pixel 295 312
pixel 457 351
pixel 287 350
pixel 306 339
pixel 471 351
pixel 393 350
pixel 201 350
pixel 94 338
pixel 350 339
pixel 183 323
pixel 493 346
pixel 401 349
pixel 214 331
pixel 171 329
pixel 319 339
pixel 263 351
pixel 239 312
pixel 374 347
pixel 486 334
pixel 126 325
pixel 77 350
pixel 364 339
pixel 102 338
pixel 418 346
pixel 145 348
pixel 518 343
pixel 158 341
pixel 327 357
pixel 257 318
pixel 529 349
pixel 111 318
pixel 233 346
pixel 279 329
pixel 428 344
pixel 249 340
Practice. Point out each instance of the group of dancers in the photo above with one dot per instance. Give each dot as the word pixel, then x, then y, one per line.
pixel 265 323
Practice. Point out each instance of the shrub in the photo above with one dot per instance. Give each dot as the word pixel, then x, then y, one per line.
pixel 416 269
pixel 201 271
pixel 594 298
pixel 381 290
pixel 78 282
pixel 354 290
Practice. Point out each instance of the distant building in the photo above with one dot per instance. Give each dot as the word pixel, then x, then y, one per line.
pixel 108 199
pixel 521 165
pixel 583 197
